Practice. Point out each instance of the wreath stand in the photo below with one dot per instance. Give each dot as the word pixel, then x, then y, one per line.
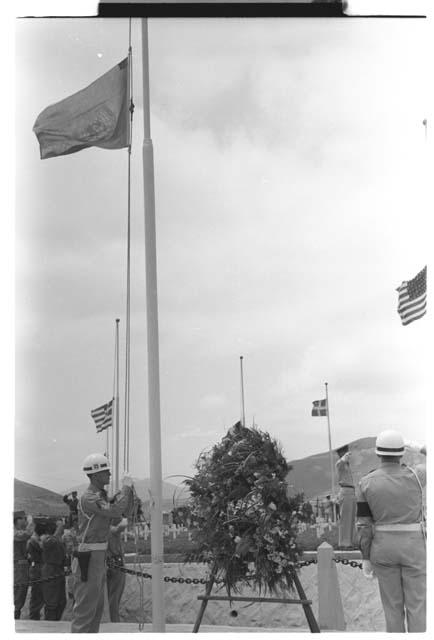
pixel 306 604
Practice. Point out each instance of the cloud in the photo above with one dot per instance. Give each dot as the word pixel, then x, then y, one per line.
pixel 212 401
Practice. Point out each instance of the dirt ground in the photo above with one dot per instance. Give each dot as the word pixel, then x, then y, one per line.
pixel 360 599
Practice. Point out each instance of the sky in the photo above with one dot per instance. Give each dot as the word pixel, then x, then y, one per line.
pixel 291 201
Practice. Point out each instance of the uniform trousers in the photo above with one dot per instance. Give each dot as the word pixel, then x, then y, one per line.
pixel 53 591
pixel 36 596
pixel 115 589
pixel 21 577
pixel 347 522
pixel 399 562
pixel 89 596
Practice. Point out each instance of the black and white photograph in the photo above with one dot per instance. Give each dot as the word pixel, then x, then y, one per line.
pixel 222 337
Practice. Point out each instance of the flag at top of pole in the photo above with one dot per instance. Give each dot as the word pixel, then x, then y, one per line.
pixel 412 298
pixel 97 116
pixel 319 407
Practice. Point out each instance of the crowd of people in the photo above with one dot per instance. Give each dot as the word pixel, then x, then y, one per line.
pixel 387 507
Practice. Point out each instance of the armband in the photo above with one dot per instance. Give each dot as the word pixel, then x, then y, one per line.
pixel 363 510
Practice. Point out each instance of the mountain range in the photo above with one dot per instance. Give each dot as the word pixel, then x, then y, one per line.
pixel 310 475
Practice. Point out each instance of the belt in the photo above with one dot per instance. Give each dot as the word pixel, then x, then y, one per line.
pixel 347 486
pixel 92 546
pixel 413 526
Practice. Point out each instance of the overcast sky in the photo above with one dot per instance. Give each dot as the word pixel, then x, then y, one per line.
pixel 290 175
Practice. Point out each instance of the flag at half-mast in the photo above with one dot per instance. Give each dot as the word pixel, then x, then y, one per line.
pixel 97 116
pixel 412 298
pixel 103 416
pixel 319 407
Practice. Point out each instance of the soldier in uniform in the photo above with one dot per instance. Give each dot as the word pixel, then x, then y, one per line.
pixel 392 535
pixel 22 533
pixel 95 513
pixel 34 555
pixel 347 499
pixel 115 559
pixel 53 569
pixel 72 503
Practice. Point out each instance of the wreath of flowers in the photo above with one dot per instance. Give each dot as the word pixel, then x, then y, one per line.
pixel 243 523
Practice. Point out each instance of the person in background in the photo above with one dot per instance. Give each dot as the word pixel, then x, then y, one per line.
pixel 34 555
pixel 53 567
pixel 346 499
pixel 328 509
pixel 71 500
pixel 22 531
pixel 392 536
pixel 115 560
pixel 69 540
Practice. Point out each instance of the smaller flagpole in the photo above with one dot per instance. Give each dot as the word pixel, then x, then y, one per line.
pixel 425 124
pixel 243 413
pixel 332 470
pixel 116 452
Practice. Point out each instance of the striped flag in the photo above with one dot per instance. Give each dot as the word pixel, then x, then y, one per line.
pixel 103 416
pixel 319 407
pixel 412 298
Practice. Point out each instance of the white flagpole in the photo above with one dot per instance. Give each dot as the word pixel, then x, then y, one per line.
pixel 332 469
pixel 116 451
pixel 243 413
pixel 157 549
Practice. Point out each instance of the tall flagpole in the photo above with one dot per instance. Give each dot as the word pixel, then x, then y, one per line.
pixel 116 447
pixel 332 469
pixel 158 617
pixel 243 413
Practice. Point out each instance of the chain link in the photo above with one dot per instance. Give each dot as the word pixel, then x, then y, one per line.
pixel 351 563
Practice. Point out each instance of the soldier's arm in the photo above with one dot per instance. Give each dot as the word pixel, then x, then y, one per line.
pixel 93 504
pixel 364 524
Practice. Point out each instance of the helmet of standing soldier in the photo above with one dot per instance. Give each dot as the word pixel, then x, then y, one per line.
pixel 94 463
pixel 389 443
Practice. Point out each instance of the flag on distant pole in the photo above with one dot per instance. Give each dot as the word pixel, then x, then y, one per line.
pixel 103 416
pixel 97 116
pixel 319 407
pixel 412 298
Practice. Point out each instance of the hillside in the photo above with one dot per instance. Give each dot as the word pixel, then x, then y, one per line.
pixel 35 500
pixel 311 475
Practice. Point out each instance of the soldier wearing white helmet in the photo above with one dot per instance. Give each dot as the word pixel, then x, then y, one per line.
pixel 391 533
pixel 95 513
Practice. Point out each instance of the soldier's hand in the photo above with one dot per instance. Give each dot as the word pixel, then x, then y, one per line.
pixel 127 480
pixel 367 569
pixel 413 446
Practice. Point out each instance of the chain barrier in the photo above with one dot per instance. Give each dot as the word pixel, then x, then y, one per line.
pixel 180 580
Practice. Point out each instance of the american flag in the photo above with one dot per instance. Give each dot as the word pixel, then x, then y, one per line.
pixel 412 298
pixel 319 407
pixel 103 416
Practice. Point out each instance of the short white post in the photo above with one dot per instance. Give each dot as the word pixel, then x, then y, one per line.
pixel 330 610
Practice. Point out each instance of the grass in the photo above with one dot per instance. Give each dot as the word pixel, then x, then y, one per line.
pixel 176 549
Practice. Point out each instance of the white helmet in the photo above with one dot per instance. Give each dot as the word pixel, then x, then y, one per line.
pixel 389 443
pixel 95 462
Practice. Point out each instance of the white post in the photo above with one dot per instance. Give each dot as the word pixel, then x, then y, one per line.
pixel 330 610
pixel 158 617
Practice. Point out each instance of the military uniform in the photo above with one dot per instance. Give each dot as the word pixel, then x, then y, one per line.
pixel 94 516
pixel 391 536
pixel 115 577
pixel 53 564
pixel 347 504
pixel 21 569
pixel 34 554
